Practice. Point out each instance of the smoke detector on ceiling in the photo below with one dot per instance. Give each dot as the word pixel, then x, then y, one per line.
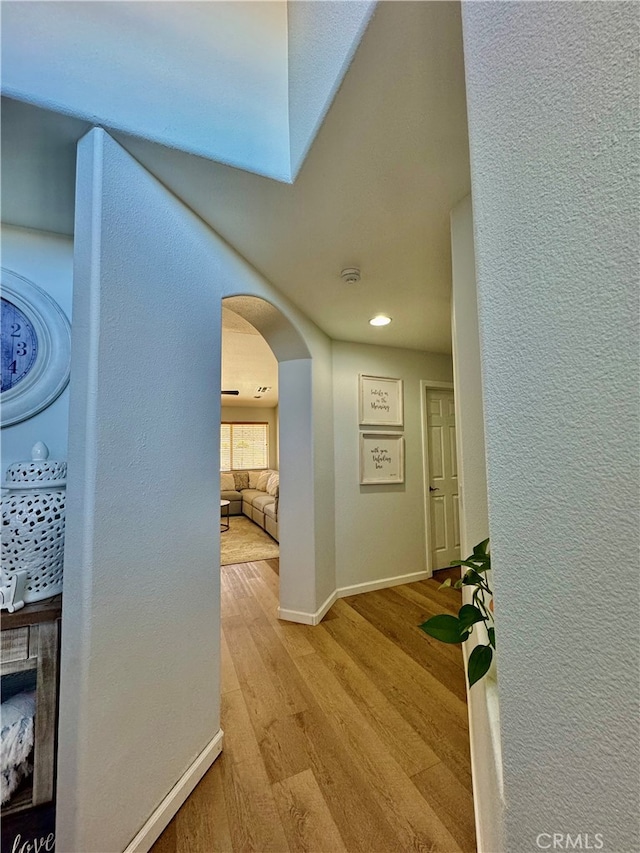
pixel 351 275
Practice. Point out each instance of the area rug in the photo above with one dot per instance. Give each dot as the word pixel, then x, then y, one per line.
pixel 245 542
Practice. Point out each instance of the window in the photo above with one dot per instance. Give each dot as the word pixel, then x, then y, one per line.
pixel 244 446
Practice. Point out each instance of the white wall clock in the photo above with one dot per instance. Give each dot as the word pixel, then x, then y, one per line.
pixel 35 338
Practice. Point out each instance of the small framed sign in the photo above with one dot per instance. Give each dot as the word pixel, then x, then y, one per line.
pixel 381 457
pixel 381 401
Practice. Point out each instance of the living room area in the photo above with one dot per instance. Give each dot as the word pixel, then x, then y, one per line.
pixel 249 476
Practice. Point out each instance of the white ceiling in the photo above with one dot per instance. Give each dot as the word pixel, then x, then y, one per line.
pixel 248 364
pixel 387 166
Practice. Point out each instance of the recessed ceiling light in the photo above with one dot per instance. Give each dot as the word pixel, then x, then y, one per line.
pixel 380 320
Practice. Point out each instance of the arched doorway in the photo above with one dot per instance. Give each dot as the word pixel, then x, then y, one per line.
pixel 296 457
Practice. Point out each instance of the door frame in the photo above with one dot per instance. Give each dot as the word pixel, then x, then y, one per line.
pixel 425 385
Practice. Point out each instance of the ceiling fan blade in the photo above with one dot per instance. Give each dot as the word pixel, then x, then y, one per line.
pixel 235 393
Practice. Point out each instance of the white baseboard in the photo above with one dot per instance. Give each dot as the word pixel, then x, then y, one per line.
pixel 384 583
pixel 161 817
pixel 307 618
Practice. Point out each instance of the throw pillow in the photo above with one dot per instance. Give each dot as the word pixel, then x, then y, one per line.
pixel 241 479
pixel 273 483
pixel 263 479
pixel 227 483
pixel 253 479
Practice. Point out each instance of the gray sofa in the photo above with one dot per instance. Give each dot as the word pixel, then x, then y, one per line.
pixel 258 504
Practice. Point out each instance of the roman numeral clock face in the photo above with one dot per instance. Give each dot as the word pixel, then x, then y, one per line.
pixel 35 346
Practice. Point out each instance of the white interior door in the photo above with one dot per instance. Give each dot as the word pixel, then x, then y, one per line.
pixel 443 478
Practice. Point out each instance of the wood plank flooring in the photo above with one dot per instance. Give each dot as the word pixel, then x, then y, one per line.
pixel 348 736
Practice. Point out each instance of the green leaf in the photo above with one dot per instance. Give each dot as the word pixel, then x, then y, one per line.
pixel 468 562
pixel 481 547
pixel 471 578
pixel 469 615
pixel 444 628
pixel 479 663
pixel 492 636
pixel 458 584
pixel 445 583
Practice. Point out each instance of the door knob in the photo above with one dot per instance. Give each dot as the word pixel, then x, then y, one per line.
pixel 431 489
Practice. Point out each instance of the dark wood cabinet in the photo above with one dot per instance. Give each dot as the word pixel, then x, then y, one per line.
pixel 31 643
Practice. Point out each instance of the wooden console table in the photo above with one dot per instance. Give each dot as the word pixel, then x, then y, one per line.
pixel 31 641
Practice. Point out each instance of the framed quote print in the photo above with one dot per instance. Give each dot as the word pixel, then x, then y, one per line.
pixel 381 457
pixel 381 401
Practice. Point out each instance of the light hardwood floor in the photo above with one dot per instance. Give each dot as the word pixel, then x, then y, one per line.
pixel 348 736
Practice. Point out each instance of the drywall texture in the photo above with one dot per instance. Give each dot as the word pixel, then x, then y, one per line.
pixel 46 260
pixel 553 112
pixel 380 529
pixel 208 78
pixel 139 694
pixel 484 726
pixel 252 415
pixel 322 39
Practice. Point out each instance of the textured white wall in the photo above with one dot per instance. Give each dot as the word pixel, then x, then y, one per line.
pixel 484 725
pixel 46 260
pixel 380 529
pixel 139 693
pixel 323 38
pixel 553 107
pixel 208 78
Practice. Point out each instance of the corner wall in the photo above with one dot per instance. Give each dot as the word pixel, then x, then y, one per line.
pixel 380 529
pixel 46 260
pixel 553 115
pixel 482 699
pixel 139 696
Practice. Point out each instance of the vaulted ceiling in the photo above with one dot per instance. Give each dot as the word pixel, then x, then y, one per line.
pixel 388 163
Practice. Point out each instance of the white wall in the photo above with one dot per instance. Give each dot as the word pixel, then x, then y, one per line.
pixel 139 693
pixel 141 550
pixel 322 39
pixel 484 722
pixel 252 414
pixel 46 260
pixel 208 78
pixel 380 530
pixel 553 109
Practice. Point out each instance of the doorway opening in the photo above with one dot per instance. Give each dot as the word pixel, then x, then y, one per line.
pixel 284 504
pixel 249 470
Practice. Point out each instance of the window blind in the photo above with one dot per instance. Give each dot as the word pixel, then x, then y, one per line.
pixel 244 445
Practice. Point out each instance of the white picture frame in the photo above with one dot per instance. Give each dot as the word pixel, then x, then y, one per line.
pixel 381 458
pixel 381 401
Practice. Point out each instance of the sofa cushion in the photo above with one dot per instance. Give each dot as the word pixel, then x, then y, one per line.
pixel 241 479
pixel 227 483
pixel 273 483
pixel 270 510
pixel 263 479
pixel 253 479
pixel 262 501
pixel 230 495
pixel 249 495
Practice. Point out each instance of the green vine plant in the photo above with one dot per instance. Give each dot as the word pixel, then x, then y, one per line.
pixel 457 629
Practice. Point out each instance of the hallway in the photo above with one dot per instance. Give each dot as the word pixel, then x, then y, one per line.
pixel 348 736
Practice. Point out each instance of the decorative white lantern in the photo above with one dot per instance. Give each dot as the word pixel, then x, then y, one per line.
pixel 33 516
